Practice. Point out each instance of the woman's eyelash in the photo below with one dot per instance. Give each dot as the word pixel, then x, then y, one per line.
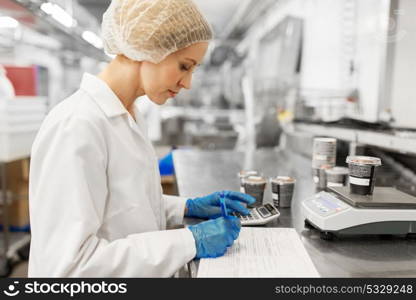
pixel 184 68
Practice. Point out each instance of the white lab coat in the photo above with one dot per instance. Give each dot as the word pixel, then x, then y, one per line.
pixel 151 113
pixel 96 203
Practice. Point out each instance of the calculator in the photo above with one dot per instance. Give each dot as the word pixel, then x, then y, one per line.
pixel 259 215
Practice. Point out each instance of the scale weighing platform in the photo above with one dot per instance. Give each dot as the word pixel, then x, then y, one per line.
pixel 338 212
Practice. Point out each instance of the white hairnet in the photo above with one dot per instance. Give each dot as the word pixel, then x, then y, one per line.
pixel 150 30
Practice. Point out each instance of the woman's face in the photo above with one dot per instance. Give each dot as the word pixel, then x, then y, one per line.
pixel 164 80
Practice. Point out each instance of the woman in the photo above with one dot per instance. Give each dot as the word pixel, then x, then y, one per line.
pixel 96 204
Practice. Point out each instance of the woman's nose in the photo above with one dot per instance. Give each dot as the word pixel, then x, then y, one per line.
pixel 186 82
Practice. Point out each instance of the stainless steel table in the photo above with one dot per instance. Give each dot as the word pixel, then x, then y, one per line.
pixel 202 172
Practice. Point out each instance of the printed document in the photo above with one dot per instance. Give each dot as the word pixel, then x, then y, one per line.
pixel 262 252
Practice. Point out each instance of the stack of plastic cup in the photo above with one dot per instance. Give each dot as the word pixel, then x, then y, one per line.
pixel 323 158
pixel 362 174
pixel 282 190
pixel 255 186
pixel 324 153
pixel 244 174
pixel 336 177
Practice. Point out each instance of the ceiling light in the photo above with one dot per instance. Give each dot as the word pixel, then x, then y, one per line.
pixel 59 14
pixel 93 39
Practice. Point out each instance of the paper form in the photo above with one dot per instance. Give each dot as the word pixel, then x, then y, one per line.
pixel 262 252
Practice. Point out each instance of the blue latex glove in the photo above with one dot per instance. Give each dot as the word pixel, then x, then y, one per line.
pixel 214 236
pixel 208 207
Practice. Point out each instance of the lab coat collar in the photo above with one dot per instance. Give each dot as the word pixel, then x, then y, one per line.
pixel 103 95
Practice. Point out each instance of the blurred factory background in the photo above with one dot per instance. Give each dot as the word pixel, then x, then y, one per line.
pixel 278 73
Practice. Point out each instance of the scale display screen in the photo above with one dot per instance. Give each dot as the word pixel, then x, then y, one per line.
pixel 329 202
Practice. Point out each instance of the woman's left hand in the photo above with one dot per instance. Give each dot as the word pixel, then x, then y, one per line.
pixel 208 207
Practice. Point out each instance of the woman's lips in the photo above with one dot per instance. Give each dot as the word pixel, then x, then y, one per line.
pixel 172 93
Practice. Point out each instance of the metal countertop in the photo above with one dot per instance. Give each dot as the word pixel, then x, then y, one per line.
pixel 199 173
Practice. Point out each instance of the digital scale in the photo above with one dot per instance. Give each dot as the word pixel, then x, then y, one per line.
pixel 338 212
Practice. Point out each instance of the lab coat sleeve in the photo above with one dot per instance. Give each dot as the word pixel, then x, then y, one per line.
pixel 68 189
pixel 175 209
